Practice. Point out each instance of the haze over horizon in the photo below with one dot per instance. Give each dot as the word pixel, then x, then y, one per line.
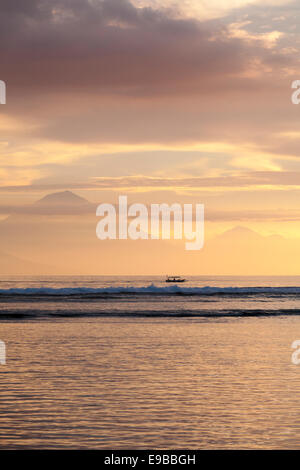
pixel 56 235
pixel 162 101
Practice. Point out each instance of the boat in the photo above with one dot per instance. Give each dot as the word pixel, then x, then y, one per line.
pixel 175 279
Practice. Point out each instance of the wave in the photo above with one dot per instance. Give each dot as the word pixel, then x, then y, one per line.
pixel 31 314
pixel 88 292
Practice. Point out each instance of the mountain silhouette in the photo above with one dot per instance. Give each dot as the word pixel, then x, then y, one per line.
pixel 63 197
pixel 245 234
pixel 238 233
pixel 60 230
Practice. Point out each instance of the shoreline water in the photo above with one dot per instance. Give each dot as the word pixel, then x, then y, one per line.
pixel 144 371
pixel 138 383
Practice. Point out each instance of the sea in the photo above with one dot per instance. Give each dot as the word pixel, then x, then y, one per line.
pixel 120 362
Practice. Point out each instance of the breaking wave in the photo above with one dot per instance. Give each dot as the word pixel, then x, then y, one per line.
pixel 149 290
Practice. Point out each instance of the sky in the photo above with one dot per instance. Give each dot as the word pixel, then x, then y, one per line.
pixel 165 101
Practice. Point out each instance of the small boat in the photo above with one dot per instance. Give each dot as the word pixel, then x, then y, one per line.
pixel 175 279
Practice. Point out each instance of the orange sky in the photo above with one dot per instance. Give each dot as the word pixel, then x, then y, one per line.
pixel 164 101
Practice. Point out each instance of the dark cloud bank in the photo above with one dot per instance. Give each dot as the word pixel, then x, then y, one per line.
pixel 112 46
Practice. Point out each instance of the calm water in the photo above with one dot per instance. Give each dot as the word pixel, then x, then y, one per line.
pixel 123 364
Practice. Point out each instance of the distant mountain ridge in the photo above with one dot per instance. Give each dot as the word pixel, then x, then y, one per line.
pixel 244 233
pixel 63 197
pixel 60 203
pixel 60 230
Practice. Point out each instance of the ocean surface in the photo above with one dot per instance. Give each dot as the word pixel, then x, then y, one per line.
pixel 135 363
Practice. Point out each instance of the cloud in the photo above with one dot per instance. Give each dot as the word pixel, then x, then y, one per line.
pixel 208 9
pixel 112 47
pixel 84 75
pixel 254 179
pixel 109 71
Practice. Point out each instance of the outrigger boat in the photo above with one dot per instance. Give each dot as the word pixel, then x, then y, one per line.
pixel 175 279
